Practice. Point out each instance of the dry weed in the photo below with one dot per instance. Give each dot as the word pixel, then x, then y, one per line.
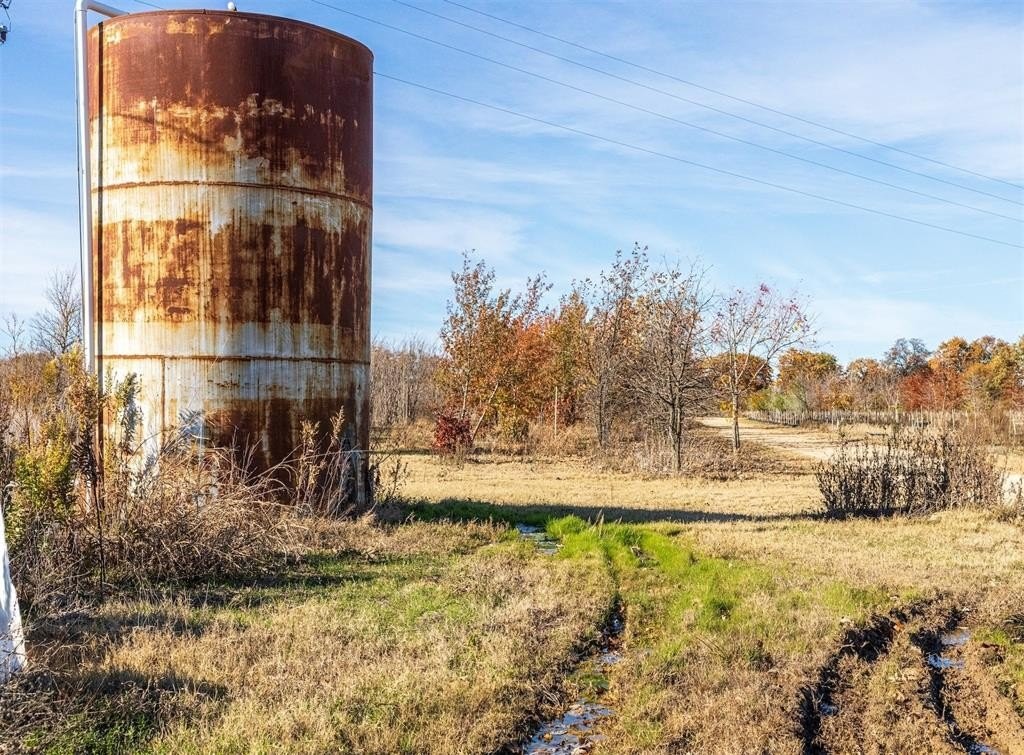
pixel 911 472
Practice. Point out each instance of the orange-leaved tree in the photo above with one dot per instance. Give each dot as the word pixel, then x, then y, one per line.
pixel 495 353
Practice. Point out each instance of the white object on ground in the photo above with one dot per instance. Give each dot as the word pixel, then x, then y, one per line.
pixel 12 637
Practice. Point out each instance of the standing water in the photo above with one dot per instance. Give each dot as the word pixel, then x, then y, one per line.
pixel 576 730
pixel 538 537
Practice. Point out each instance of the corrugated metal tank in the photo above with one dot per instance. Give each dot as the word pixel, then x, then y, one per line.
pixel 232 189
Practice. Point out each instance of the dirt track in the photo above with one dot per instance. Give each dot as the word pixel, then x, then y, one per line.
pixel 809 444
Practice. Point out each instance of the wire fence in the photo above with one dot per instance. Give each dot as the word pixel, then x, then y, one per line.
pixel 1012 421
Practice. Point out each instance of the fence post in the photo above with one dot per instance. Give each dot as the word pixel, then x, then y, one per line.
pixel 362 501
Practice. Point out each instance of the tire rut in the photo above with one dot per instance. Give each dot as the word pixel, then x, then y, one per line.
pixel 929 641
pixel 963 699
pixel 866 644
pixel 892 679
pixel 576 728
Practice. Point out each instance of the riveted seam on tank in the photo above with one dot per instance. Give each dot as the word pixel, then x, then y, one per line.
pixel 129 185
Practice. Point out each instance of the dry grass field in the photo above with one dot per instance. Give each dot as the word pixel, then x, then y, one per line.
pixel 750 624
pixel 800 591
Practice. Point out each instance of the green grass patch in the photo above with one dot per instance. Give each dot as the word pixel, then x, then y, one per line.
pixel 459 510
pixel 112 726
pixel 847 600
pixel 1006 659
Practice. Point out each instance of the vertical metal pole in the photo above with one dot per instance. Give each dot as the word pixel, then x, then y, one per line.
pixel 84 185
pixel 82 8
pixel 89 346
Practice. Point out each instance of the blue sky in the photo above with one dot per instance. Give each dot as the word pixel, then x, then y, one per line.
pixel 944 80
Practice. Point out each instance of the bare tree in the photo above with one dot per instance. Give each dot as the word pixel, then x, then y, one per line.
pixel 402 382
pixel 613 318
pixel 667 371
pixel 14 329
pixel 751 328
pixel 58 328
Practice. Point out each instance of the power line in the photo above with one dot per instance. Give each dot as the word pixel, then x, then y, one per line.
pixel 733 97
pixel 676 158
pixel 673 95
pixel 685 123
pixel 679 121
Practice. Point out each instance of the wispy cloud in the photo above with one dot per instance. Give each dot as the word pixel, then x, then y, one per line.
pixel 37 171
pixel 417 226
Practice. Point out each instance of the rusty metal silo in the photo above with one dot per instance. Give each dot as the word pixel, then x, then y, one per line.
pixel 231 188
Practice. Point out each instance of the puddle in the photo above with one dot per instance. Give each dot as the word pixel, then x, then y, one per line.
pixel 610 658
pixel 979 749
pixel 828 709
pixel 956 638
pixel 942 663
pixel 539 537
pixel 574 732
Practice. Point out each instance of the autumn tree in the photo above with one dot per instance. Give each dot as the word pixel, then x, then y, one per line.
pixel 870 385
pixel 995 375
pixel 944 387
pixel 956 355
pixel 757 376
pixel 754 323
pixel 523 372
pixel 808 378
pixel 1010 362
pixel 20 374
pixel 494 348
pixel 569 378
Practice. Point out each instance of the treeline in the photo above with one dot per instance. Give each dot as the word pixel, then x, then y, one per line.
pixel 959 375
pixel 635 353
pixel 631 355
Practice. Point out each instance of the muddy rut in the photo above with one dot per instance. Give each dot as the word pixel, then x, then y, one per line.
pixel 908 681
pixel 576 728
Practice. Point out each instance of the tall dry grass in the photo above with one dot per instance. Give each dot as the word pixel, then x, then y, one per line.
pixel 93 506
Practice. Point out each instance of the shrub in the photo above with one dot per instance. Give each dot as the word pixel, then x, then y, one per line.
pixel 914 471
pixel 452 436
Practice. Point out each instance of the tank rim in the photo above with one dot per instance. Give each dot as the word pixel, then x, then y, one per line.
pixel 239 14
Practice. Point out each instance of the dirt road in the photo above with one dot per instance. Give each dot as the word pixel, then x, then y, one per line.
pixel 810 444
